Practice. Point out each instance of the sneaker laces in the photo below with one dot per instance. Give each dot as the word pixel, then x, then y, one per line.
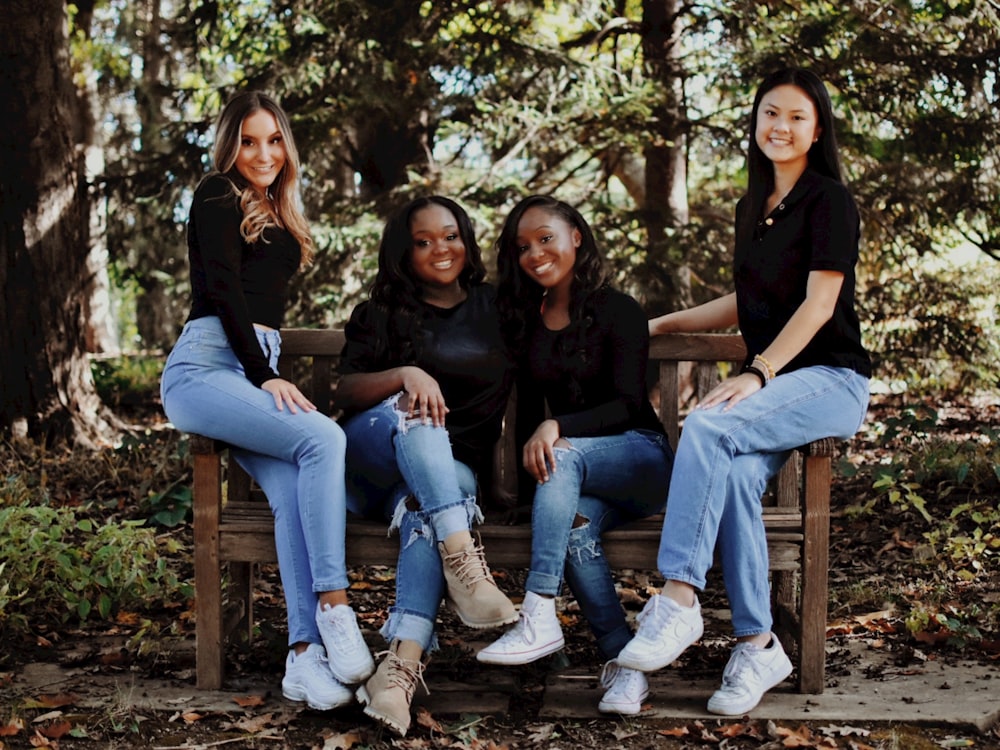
pixel 524 630
pixel 345 626
pixel 739 664
pixel 469 565
pixel 654 617
pixel 404 673
pixel 610 673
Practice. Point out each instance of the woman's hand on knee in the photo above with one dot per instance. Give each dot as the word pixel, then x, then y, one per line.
pixel 539 455
pixel 285 392
pixel 424 398
pixel 733 390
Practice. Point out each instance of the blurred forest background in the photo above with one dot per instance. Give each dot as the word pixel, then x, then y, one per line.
pixel 634 110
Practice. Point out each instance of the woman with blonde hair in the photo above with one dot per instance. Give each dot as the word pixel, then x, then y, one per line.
pixel 246 238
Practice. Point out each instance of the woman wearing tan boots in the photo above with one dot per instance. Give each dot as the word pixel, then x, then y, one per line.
pixel 425 380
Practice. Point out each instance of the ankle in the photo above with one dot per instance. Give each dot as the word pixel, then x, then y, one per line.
pixel 457 541
pixel 682 593
pixel 407 650
pixel 331 599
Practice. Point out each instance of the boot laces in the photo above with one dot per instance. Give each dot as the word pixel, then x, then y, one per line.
pixel 404 673
pixel 469 565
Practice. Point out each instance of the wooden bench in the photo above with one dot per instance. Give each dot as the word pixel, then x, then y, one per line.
pixel 233 526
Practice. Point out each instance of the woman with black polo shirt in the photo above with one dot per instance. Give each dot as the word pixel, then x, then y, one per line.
pixel 805 378
pixel 424 383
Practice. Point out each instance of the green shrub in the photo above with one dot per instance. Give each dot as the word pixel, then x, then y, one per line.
pixel 59 566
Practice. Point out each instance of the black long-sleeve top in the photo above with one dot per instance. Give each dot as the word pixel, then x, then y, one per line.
pixel 462 349
pixel 240 282
pixel 597 388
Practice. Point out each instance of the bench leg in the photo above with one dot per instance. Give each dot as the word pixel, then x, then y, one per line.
pixel 207 570
pixel 815 569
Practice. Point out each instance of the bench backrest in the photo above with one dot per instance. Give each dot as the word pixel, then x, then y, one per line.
pixel 670 353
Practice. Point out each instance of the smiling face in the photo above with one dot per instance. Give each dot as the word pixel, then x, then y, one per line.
pixel 547 246
pixel 437 253
pixel 262 154
pixel 787 126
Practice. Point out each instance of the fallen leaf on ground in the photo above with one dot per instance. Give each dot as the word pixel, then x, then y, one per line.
pixel 57 730
pixel 341 741
pixel 249 700
pixel 53 701
pixel 675 732
pixel 842 731
pixel 425 719
pixel 47 717
pixel 12 727
pixel 253 724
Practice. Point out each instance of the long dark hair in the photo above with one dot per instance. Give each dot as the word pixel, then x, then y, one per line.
pixel 823 155
pixel 519 298
pixel 395 293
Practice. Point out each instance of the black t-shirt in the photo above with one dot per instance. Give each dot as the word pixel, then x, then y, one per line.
pixel 815 228
pixel 461 347
pixel 241 283
pixel 594 386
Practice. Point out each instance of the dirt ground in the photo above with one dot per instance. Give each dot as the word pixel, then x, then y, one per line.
pixel 865 554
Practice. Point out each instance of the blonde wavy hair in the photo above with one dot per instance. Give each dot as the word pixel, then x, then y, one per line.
pixel 261 211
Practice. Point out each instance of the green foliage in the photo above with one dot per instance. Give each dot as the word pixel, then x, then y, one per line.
pixel 946 486
pixel 133 379
pixel 62 567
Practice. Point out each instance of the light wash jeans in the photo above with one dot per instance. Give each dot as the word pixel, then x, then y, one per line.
pixel 393 460
pixel 723 463
pixel 297 459
pixel 608 481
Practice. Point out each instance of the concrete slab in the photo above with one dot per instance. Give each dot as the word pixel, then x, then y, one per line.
pixel 104 691
pixel 963 694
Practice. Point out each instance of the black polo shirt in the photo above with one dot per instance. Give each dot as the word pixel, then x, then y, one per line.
pixel 815 228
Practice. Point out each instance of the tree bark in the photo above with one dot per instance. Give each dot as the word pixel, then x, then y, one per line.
pixel 46 390
pixel 665 203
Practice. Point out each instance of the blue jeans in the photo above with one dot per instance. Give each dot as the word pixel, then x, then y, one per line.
pixel 297 459
pixel 723 463
pixel 393 463
pixel 606 481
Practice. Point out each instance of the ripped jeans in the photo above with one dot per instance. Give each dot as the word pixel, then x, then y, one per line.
pixel 606 481
pixel 389 459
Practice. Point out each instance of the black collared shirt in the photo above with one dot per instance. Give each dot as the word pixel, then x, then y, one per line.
pixel 815 228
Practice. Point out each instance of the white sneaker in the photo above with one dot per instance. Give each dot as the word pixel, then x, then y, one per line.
pixel 665 630
pixel 626 689
pixel 348 655
pixel 307 678
pixel 536 634
pixel 750 673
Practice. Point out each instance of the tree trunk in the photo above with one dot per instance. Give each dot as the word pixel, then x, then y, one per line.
pixel 665 204
pixel 47 390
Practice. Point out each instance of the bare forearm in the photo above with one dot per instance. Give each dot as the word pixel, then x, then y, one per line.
pixel 359 391
pixel 713 315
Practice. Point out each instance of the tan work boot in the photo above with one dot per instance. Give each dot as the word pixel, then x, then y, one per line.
pixel 388 693
pixel 472 592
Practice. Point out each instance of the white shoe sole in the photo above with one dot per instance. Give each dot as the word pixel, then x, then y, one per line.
pixel 299 695
pixel 488 625
pixel 521 657
pixel 630 709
